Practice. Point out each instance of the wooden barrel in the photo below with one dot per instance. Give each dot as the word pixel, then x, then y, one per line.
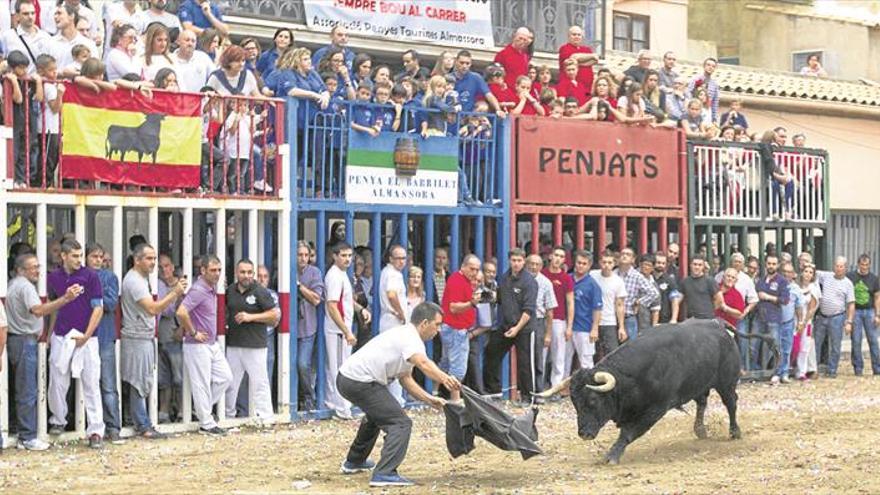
pixel 406 156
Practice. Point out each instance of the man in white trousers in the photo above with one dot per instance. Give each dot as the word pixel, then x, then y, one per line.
pixel 206 366
pixel 340 308
pixel 558 341
pixel 249 308
pixel 81 314
pixel 392 297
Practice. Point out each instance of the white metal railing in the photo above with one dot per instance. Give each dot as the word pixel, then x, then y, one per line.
pixel 796 191
pixel 727 182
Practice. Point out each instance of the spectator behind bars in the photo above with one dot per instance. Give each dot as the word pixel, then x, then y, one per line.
pixel 310 293
pixel 26 96
pixel 339 39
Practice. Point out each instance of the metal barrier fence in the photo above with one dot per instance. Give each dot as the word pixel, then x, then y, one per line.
pixel 322 144
pixel 262 236
pixel 35 160
pixel 730 181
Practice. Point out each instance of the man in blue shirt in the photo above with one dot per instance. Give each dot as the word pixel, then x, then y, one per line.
pixel 773 294
pixel 198 15
pixel 587 309
pixel 107 341
pixel 792 319
pixel 338 37
pixel 470 86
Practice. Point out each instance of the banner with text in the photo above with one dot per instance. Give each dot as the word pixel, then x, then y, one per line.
pixel 401 169
pixel 464 23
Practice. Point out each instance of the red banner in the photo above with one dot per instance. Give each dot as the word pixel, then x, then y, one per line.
pixel 125 137
pixel 581 163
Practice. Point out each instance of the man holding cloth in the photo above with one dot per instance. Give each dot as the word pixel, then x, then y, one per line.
pixel 363 380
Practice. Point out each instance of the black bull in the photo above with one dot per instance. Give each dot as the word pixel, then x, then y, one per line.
pixel 663 369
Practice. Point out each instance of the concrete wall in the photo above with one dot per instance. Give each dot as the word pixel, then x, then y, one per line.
pixel 669 22
pixel 853 146
pixel 766 39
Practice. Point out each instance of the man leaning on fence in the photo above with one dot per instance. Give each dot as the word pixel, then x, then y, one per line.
pixel 206 366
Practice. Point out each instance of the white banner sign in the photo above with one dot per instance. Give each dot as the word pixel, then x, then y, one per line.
pixel 464 23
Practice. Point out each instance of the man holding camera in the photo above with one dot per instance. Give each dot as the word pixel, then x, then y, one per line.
pixel 459 314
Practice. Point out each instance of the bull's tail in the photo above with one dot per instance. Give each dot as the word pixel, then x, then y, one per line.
pixel 768 339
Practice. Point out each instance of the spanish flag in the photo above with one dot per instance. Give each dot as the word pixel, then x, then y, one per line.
pixel 124 137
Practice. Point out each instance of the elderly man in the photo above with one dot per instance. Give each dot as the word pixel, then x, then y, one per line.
pixel 208 371
pixel 363 379
pixel 516 56
pixel 580 53
pixel 837 312
pixel 249 309
pixel 459 315
pixel 25 314
pixel 339 39
pixel 545 303
pixel 867 292
pixel 643 63
pixel 640 293
pixel 517 293
pixel 139 312
pixel 191 66
pixel 74 325
pixel 746 288
pixel 392 301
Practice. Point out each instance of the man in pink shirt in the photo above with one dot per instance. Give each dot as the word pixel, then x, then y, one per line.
pixel 516 56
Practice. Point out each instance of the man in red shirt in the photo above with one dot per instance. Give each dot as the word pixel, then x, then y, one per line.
pixel 580 53
pixel 558 341
pixel 516 56
pixel 734 305
pixel 570 86
pixel 459 316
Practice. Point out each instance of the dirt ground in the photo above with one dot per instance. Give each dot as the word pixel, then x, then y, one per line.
pixel 820 436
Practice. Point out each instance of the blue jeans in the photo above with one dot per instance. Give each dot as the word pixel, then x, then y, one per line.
pixel 784 340
pixel 137 404
pixel 304 349
pixel 631 324
pixel 22 353
pixel 759 326
pixel 742 328
pixel 864 325
pixel 832 327
pixel 109 393
pixel 456 347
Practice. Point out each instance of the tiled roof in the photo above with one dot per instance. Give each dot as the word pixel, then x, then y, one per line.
pixel 751 81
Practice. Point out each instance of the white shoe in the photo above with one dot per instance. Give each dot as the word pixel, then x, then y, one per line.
pixel 786 379
pixel 33 444
pixel 260 185
pixel 774 380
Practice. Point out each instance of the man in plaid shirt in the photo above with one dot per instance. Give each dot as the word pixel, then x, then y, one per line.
pixel 707 82
pixel 640 292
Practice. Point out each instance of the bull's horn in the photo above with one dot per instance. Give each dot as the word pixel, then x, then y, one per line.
pixel 605 380
pixel 556 389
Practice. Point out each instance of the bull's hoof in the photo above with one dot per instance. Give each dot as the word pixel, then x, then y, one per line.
pixel 700 432
pixel 736 434
pixel 612 460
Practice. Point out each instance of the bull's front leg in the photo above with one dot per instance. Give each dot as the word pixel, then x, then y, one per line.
pixel 631 431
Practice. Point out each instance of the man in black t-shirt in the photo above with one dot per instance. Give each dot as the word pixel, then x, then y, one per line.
pixel 249 309
pixel 670 297
pixel 867 290
pixel 701 295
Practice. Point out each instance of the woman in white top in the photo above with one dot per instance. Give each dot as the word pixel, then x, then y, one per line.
pixel 806 356
pixel 119 59
pixel 813 67
pixel 415 290
pixel 156 51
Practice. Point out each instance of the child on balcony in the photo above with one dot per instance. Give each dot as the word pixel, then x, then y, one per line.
pixel 240 129
pixel 391 117
pixel 26 96
pixel 435 121
pixel 326 146
pixel 80 53
pixel 475 134
pixel 53 93
pixel 364 117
